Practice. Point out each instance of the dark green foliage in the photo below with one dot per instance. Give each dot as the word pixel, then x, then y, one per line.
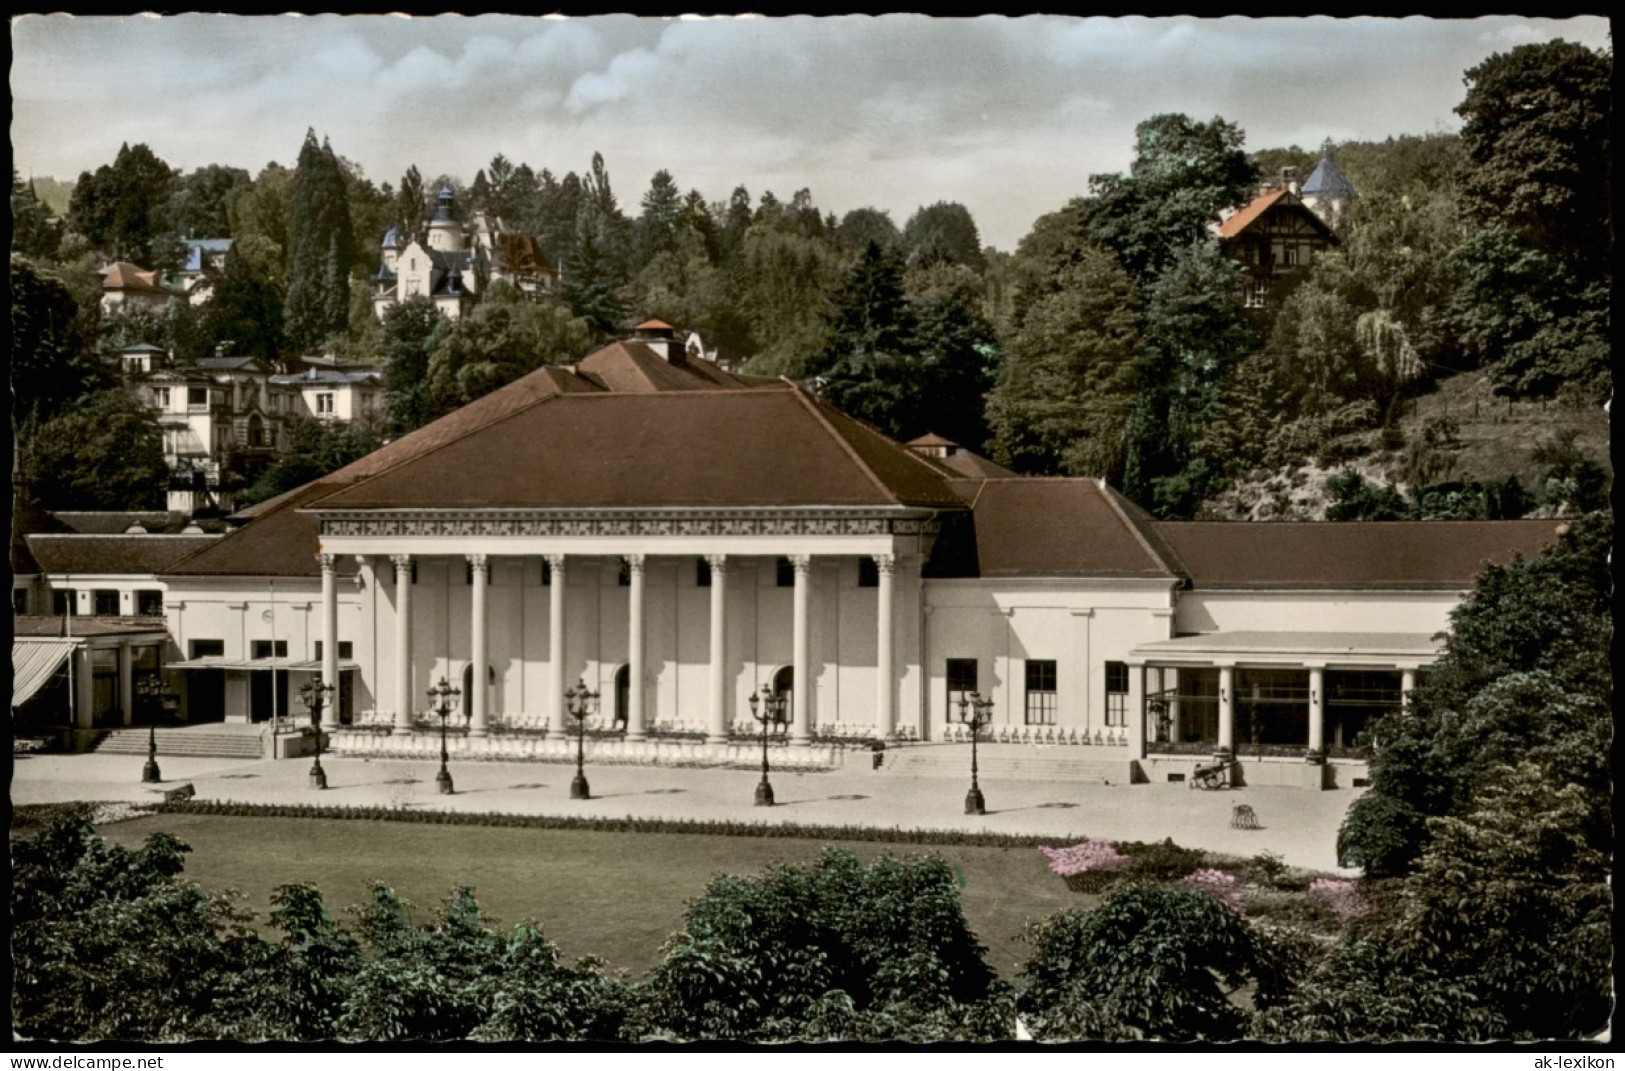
pixel 322 248
pixel 51 361
pixel 836 951
pixel 120 207
pixel 1157 861
pixel 104 453
pixel 943 233
pixel 861 226
pixel 244 317
pixel 1363 992
pixel 1511 898
pixel 313 449
pixel 93 925
pixel 1351 498
pixel 303 982
pixel 1535 123
pixel 594 275
pixel 1381 835
pixel 411 331
pixel 1183 175
pixel 1068 380
pixel 505 337
pixel 530 996
pixel 35 230
pixel 198 202
pixel 1150 964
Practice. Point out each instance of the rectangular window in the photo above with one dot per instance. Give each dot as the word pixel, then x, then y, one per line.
pixel 104 602
pixel 868 572
pixel 160 397
pixel 197 397
pixel 324 404
pixel 961 676
pixel 64 601
pixel 264 649
pixel 19 600
pixel 702 573
pixel 786 573
pixel 207 648
pixel 1256 294
pixel 1041 704
pixel 1116 694
pixel 149 603
pixel 346 649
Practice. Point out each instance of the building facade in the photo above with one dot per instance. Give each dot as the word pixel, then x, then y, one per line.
pixel 678 538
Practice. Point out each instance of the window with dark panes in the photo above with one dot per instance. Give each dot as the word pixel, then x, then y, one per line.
pixel 207 648
pixel 1116 693
pixel 265 649
pixel 104 602
pixel 961 674
pixel 149 603
pixel 1041 699
pixel 346 649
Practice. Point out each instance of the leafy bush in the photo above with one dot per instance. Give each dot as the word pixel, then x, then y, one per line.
pixel 1343 898
pixel 1362 992
pixel 1380 834
pixel 836 950
pixel 1158 861
pixel 1150 963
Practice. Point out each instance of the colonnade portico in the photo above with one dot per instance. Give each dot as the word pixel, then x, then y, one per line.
pixel 399 694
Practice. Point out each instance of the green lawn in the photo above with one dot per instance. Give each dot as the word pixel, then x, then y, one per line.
pixel 614 895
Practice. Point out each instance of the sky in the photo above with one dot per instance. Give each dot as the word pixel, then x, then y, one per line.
pixel 1008 116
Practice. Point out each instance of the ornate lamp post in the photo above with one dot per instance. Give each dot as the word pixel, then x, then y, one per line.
pixel 767 708
pixel 975 712
pixel 581 704
pixel 316 694
pixel 159 697
pixel 441 698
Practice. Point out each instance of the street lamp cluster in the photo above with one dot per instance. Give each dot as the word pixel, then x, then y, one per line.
pixel 766 707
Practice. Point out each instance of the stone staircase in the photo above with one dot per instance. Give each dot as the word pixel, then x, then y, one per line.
pixel 1005 762
pixel 213 742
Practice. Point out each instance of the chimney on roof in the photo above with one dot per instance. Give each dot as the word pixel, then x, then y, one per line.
pixel 1289 180
pixel 660 336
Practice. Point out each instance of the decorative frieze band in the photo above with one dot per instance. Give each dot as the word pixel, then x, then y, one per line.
pixel 499 524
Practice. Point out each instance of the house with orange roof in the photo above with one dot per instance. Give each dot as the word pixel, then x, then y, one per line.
pixel 1274 237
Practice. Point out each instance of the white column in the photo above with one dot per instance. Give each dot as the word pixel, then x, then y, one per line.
pixel 1317 713
pixel 1135 727
pixel 404 699
pixel 634 650
pixel 800 722
pixel 1227 710
pixel 1407 685
pixel 330 638
pixel 479 681
pixel 885 685
pixel 555 647
pixel 718 731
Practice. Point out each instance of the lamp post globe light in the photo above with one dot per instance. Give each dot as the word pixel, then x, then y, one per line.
pixel 767 708
pixel 441 699
pixel 316 695
pixel 975 712
pixel 581 704
pixel 159 697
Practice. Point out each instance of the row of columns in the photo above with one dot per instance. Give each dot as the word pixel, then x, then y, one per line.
pixel 636 728
pixel 1317 707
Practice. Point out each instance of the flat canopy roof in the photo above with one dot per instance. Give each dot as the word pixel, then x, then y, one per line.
pixel 302 665
pixel 1419 645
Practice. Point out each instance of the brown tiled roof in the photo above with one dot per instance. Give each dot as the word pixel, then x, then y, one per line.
pixel 751 447
pixel 1061 527
pixel 634 368
pixel 1394 555
pixel 281 541
pixel 126 276
pixel 522 254
pixel 973 466
pixel 115 522
pixel 74 553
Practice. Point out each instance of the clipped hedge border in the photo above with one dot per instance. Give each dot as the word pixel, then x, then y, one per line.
pixel 715 828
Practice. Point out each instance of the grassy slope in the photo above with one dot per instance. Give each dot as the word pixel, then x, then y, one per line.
pixel 614 895
pixel 1495 439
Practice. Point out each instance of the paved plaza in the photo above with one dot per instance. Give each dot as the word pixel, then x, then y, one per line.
pixel 1299 825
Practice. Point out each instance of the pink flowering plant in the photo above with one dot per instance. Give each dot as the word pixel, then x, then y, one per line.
pixel 1220 885
pixel 1342 897
pixel 1087 866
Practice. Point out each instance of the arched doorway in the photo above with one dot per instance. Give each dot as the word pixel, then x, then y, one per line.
pixel 784 682
pixel 623 696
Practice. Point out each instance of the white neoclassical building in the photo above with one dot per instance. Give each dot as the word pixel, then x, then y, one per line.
pixel 677 537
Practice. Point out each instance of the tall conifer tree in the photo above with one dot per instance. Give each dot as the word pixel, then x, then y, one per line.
pixel 318 302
